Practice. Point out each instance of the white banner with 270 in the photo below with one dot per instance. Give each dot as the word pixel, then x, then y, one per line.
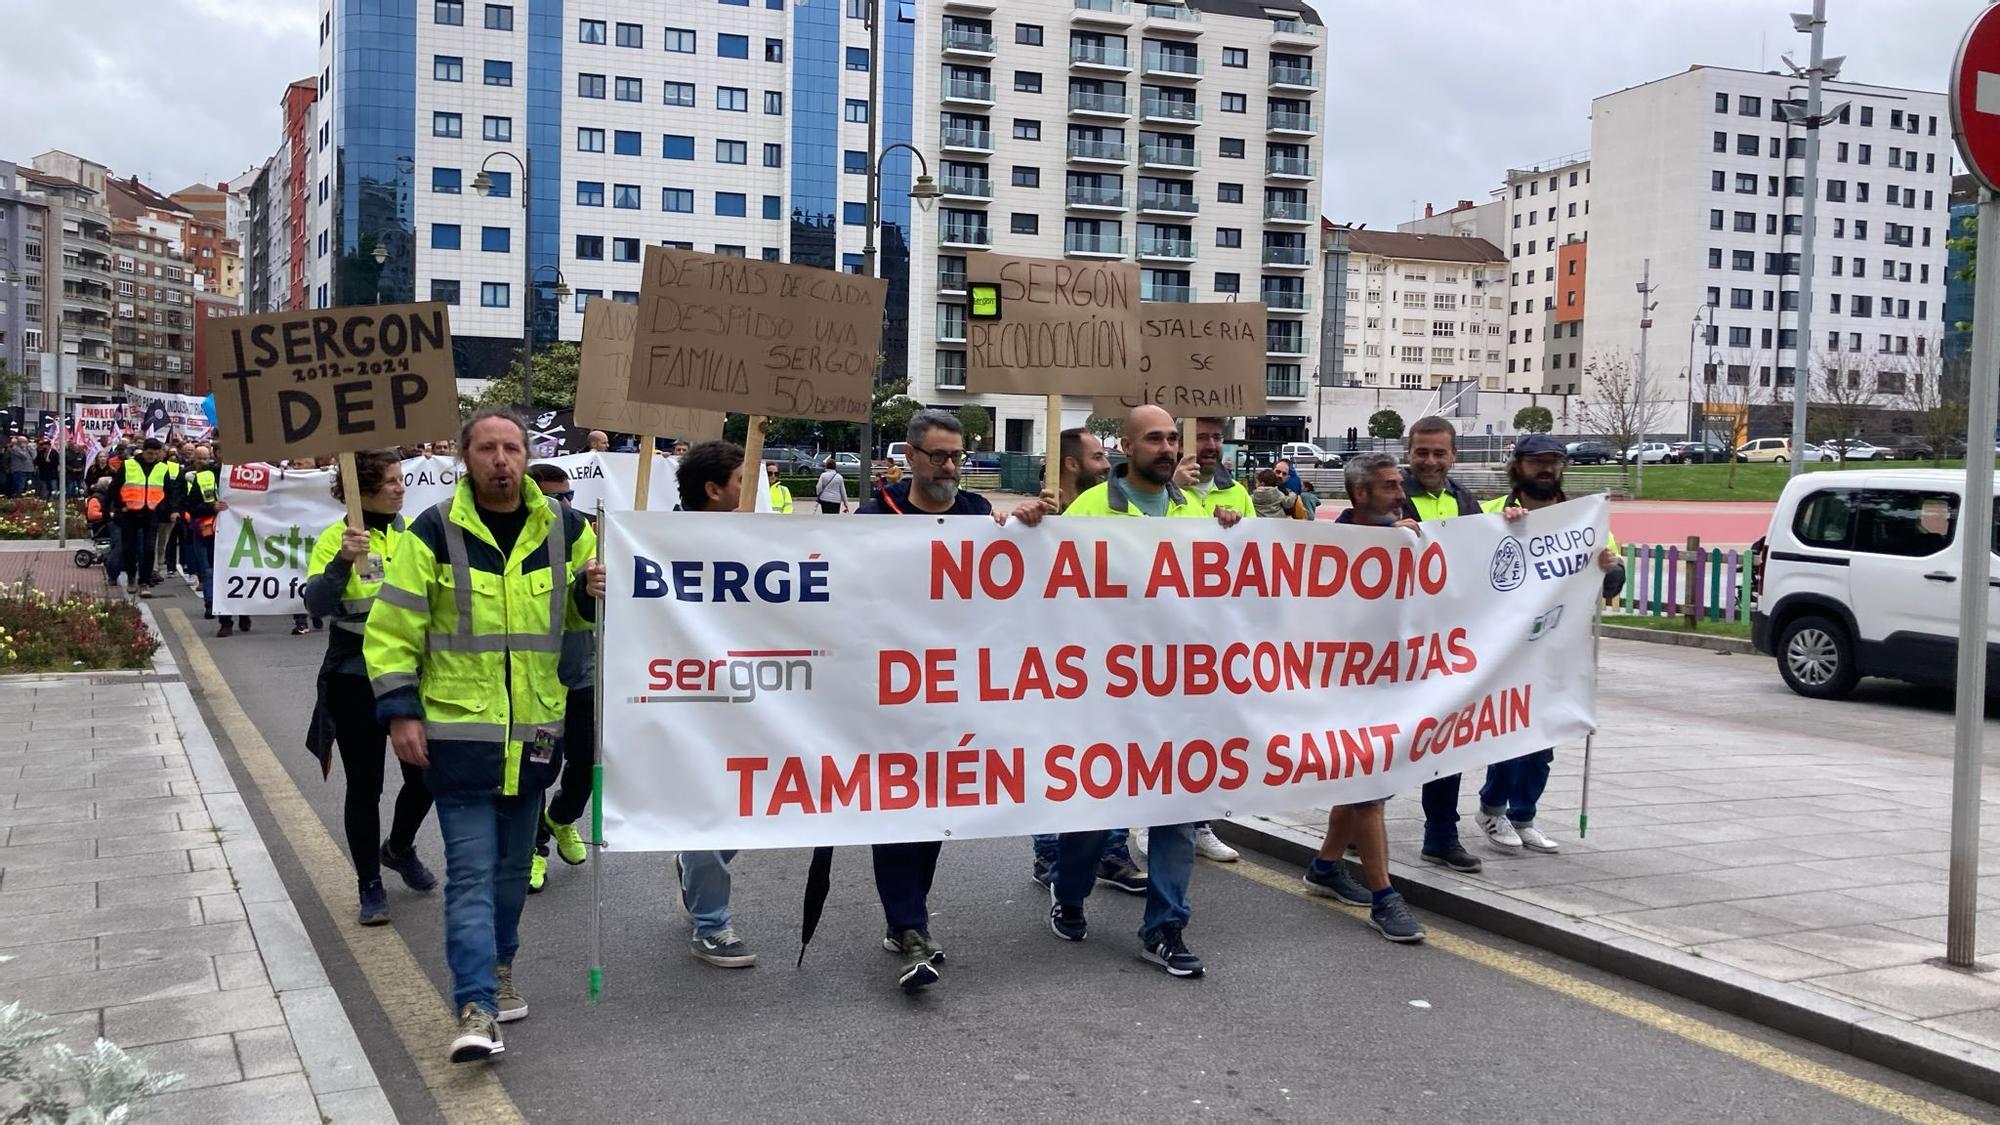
pixel 777 684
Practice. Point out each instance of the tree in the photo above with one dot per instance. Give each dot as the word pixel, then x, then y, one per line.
pixel 1967 243
pixel 1844 396
pixel 1726 405
pixel 1612 406
pixel 1105 426
pixel 976 422
pixel 1386 425
pixel 893 414
pixel 1534 420
pixel 554 379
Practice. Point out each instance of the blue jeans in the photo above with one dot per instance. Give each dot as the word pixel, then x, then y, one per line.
pixel 1441 813
pixel 1169 863
pixel 1513 787
pixel 488 842
pixel 705 890
pixel 201 564
pixel 1045 843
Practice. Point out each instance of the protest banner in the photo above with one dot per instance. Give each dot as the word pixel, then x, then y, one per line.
pixel 1199 360
pixel 603 377
pixel 324 381
pixel 264 538
pixel 162 415
pixel 769 685
pixel 755 337
pixel 103 421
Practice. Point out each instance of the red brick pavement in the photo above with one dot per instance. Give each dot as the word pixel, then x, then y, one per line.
pixel 52 570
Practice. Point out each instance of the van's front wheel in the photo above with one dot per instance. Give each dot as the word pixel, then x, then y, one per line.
pixel 1816 658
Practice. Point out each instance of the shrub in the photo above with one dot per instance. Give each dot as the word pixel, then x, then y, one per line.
pixel 43 632
pixel 31 517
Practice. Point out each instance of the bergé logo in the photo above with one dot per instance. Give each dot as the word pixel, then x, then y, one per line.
pixel 740 676
pixel 1509 568
pixel 726 580
pixel 250 478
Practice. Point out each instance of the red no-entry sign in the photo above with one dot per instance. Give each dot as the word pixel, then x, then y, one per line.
pixel 1975 98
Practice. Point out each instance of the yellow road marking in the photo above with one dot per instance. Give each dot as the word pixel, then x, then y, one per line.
pixel 420 1016
pixel 1871 1094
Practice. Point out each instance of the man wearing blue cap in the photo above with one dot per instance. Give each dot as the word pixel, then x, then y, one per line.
pixel 1507 800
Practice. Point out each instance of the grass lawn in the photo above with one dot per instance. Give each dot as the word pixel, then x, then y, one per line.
pixel 1711 482
pixel 1679 624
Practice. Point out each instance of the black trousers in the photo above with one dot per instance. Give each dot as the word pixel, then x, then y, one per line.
pixel 579 747
pixel 364 747
pixel 829 507
pixel 903 874
pixel 138 530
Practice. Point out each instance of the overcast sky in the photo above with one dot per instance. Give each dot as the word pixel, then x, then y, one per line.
pixel 1429 100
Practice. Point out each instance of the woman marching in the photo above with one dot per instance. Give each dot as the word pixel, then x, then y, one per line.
pixel 341 581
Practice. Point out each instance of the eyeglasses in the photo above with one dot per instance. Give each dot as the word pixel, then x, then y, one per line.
pixel 565 497
pixel 940 457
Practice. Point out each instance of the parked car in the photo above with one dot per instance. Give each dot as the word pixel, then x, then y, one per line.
pixel 1654 453
pixel 1698 453
pixel 1910 449
pixel 1857 450
pixel 1589 453
pixel 1304 454
pixel 1858 576
pixel 1760 450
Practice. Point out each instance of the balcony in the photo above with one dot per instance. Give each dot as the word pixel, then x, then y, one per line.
pixel 1099 105
pixel 1166 111
pixel 1173 19
pixel 1279 300
pixel 1168 203
pixel 976 236
pixel 967 140
pixel 1169 156
pixel 1284 343
pixel 1294 77
pixel 965 187
pixel 1287 257
pixel 1297 31
pixel 1290 121
pixel 969 41
pixel 951 281
pixel 1180 293
pixel 1284 386
pixel 1099 57
pixel 1163 247
pixel 1096 198
pixel 1094 245
pixel 951 328
pixel 1117 12
pixel 973 5
pixel 1289 167
pixel 1166 64
pixel 968 90
pixel 1099 152
pixel 1287 211
pixel 951 376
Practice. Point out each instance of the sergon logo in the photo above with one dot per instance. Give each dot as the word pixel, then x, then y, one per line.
pixel 740 676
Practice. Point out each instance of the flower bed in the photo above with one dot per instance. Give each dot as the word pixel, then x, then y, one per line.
pixel 73 632
pixel 31 517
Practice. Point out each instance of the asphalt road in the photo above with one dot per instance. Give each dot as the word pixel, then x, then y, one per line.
pixel 1305 1015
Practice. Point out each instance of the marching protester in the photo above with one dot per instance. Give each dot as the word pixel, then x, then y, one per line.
pixel 1513 788
pixel 781 495
pixel 1430 493
pixel 1214 483
pixel 200 501
pixel 578 672
pixel 1150 483
pixel 1375 485
pixel 74 456
pixel 597 441
pixel 1084 464
pixel 342 579
pixel 831 490
pixel 48 465
pixel 463 648
pixel 903 872
pixel 143 499
pixel 20 463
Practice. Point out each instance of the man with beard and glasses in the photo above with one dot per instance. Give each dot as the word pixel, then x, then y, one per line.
pixel 1375 484
pixel 1507 800
pixel 1152 482
pixel 903 872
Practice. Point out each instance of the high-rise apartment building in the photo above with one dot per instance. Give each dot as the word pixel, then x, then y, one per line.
pixel 24 305
pixel 1547 236
pixel 152 310
pixel 77 264
pixel 1185 137
pixel 1702 175
pixel 1423 310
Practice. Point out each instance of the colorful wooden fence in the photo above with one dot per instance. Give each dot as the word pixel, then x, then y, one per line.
pixel 1656 583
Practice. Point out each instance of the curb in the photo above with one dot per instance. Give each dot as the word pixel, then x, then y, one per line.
pixel 1736 645
pixel 1868 1035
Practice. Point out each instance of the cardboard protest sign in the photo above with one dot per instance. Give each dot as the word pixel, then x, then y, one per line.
pixel 1203 360
pixel 756 337
pixel 1055 327
pixel 313 382
pixel 605 371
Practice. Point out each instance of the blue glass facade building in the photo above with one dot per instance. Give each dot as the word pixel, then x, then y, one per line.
pixel 546 28
pixel 373 147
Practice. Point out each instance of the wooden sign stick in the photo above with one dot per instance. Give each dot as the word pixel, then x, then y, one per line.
pixel 350 487
pixel 753 457
pixel 644 486
pixel 1052 466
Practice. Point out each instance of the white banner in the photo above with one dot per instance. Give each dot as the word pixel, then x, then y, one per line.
pixel 101 420
pixel 264 538
pixel 772 684
pixel 159 414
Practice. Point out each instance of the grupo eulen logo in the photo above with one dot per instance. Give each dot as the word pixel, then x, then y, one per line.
pixel 737 676
pixel 1510 567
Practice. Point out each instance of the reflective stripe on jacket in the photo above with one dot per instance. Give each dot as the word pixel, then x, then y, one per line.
pixel 469 641
pixel 1110 499
pixel 336 589
pixel 145 489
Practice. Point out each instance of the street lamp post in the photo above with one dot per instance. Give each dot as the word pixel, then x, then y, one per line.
pixel 1819 69
pixel 1646 307
pixel 483 183
pixel 1698 315
pixel 381 256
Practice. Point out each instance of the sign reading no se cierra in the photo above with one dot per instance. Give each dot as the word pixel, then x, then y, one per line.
pixel 309 383
pixel 1198 360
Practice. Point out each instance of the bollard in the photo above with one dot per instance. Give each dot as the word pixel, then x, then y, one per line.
pixel 1693 604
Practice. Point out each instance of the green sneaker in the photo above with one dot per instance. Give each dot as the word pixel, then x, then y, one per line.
pixel 538 873
pixel 569 842
pixel 508 999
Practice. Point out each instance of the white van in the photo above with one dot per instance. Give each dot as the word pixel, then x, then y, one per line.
pixel 1858 576
pixel 1304 454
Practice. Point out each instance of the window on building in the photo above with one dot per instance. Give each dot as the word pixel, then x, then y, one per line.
pixel 674 146
pixel 499 17
pixel 1719 142
pixel 732 204
pixel 854 162
pixel 1027 177
pixel 678 201
pixel 499 185
pixel 1229 193
pixel 497 129
pixel 1714 258
pixel 732 99
pixel 1028 81
pixel 493 294
pixel 774 208
pixel 1229 236
pixel 1739 337
pixel 1722 103
pixel 774 50
pixel 625 142
pixel 447 68
pixel 774 156
pixel 1746 183
pixel 624 249
pixel 447 125
pixel 630 90
pixel 590 247
pixel 732 152
pixel 1027 130
pixel 774 103
pixel 1023 222
pixel 1228 283
pixel 677 93
pixel 855 111
pixel 680 40
pixel 444 236
pixel 444 181
pixel 589 193
pixel 1230 147
pixel 1747 106
pixel 443 291
pixel 590 140
pixel 499 72
pixel 631 35
pixel 625 196
pixel 857 58
pixel 590 85
pixel 1028 34
pixel 854 214
pixel 1237 57
pixel 590 31
pixel 496 240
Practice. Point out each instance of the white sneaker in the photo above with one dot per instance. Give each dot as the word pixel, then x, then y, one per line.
pixel 1136 842
pixel 1498 829
pixel 1532 838
pixel 1210 846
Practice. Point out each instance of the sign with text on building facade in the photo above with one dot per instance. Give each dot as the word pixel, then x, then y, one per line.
pixel 309 383
pixel 1055 327
pixel 739 334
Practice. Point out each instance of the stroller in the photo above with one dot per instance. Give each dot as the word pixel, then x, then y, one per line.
pixel 99 549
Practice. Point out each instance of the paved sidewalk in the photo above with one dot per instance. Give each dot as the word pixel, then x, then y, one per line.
pixel 138 903
pixel 1791 849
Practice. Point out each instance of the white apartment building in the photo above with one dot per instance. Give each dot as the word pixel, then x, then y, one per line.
pixel 1186 138
pixel 1700 174
pixel 1423 311
pixel 1548 230
pixel 1466 220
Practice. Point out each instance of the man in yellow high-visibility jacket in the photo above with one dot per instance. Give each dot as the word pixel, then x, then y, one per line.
pixel 781 495
pixel 462 649
pixel 145 499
